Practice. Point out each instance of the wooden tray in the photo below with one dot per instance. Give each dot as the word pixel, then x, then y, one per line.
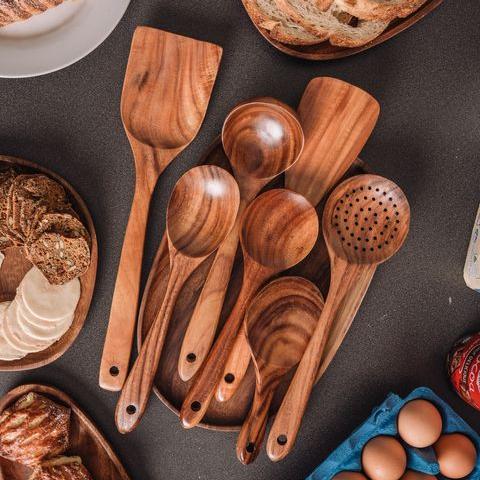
pixel 16 265
pixel 86 440
pixel 168 386
pixel 325 51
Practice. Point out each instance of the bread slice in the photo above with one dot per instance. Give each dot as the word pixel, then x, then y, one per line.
pixel 384 10
pixel 12 11
pixel 61 468
pixel 268 16
pixel 331 23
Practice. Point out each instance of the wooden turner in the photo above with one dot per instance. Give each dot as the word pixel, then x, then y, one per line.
pixel 337 119
pixel 365 222
pixel 168 83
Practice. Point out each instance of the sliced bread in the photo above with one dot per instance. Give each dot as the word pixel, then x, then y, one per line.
pixel 268 16
pixel 385 10
pixel 331 23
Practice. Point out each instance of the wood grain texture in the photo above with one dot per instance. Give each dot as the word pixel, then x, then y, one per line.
pixel 325 51
pixel 278 325
pixel 200 214
pixel 168 386
pixel 15 266
pixel 278 214
pixel 85 439
pixel 167 88
pixel 262 139
pixel 338 118
pixel 365 221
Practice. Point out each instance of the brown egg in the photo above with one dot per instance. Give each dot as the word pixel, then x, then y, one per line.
pixel 349 476
pixel 456 455
pixel 384 458
pixel 411 475
pixel 419 423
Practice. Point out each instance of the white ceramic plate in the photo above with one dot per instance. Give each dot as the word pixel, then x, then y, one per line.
pixel 57 38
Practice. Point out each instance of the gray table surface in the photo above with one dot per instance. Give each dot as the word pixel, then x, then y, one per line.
pixel 427 139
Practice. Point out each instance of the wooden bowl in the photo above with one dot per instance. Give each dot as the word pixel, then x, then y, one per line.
pixel 168 386
pixel 325 51
pixel 15 266
pixel 85 439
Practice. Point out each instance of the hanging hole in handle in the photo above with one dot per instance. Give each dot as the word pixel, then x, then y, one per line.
pixel 131 410
pixel 282 440
pixel 114 371
pixel 250 447
pixel 196 406
pixel 229 378
pixel 191 357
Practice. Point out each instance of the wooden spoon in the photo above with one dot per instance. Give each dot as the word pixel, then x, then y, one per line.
pixel 262 138
pixel 200 214
pixel 168 83
pixel 337 120
pixel 365 222
pixel 279 229
pixel 278 325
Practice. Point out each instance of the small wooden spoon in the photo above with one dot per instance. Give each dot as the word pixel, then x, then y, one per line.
pixel 337 119
pixel 365 222
pixel 278 231
pixel 200 214
pixel 278 325
pixel 262 138
pixel 168 83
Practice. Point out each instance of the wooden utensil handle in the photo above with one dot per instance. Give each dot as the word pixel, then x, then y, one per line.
pixel 203 324
pixel 136 391
pixel 235 368
pixel 201 392
pixel 252 433
pixel 348 286
pixel 121 326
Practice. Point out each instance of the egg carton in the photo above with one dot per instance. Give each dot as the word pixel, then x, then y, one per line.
pixel 383 421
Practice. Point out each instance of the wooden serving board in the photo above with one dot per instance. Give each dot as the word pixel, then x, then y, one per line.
pixel 86 440
pixel 15 266
pixel 325 51
pixel 168 386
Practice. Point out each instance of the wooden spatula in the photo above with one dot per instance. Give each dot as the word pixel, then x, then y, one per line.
pixel 168 83
pixel 337 119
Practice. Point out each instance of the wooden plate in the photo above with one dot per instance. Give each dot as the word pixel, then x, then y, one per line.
pixel 16 265
pixel 325 51
pixel 227 416
pixel 86 440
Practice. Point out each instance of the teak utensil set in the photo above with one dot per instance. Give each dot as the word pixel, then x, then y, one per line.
pixel 168 83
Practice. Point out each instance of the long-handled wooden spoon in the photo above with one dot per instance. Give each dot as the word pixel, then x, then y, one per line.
pixel 279 229
pixel 337 119
pixel 168 83
pixel 200 214
pixel 262 138
pixel 365 221
pixel 278 325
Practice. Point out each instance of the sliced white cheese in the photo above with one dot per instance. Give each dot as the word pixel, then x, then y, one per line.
pixel 44 331
pixel 7 352
pixel 49 302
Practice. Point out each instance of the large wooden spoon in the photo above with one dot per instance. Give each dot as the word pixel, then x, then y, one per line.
pixel 262 138
pixel 337 119
pixel 365 221
pixel 278 325
pixel 279 229
pixel 168 83
pixel 200 214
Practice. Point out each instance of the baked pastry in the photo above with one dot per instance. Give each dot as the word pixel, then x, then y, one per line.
pixel 12 11
pixel 61 468
pixel 35 428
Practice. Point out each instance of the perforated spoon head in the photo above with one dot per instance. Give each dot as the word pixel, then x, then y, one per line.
pixel 279 229
pixel 281 320
pixel 366 219
pixel 262 138
pixel 202 210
